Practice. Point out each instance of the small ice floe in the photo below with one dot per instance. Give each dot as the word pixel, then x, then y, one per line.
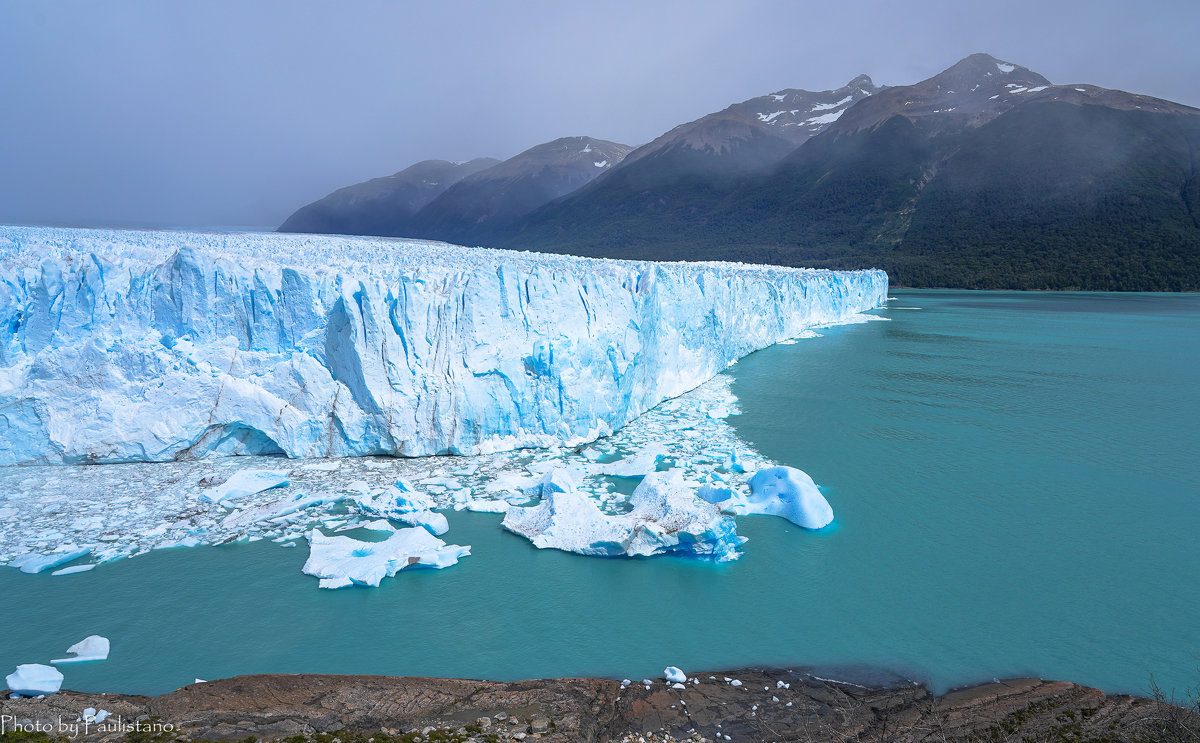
pixel 671 673
pixel 92 647
pixel 343 561
pixel 402 503
pixel 786 492
pixel 245 482
pixel 34 679
pixel 486 506
pixel 639 464
pixel 38 563
pixel 665 517
pixel 735 682
pixel 276 510
pixel 382 525
pixel 74 569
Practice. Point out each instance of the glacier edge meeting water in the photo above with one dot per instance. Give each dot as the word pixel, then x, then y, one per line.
pixel 125 346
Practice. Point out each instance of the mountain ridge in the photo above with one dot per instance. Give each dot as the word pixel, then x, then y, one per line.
pixel 986 175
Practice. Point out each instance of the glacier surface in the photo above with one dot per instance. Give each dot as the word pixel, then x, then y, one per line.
pixel 127 346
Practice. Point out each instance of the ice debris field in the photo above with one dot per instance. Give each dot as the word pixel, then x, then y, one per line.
pixel 326 362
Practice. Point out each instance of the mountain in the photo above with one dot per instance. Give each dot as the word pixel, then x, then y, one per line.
pixel 382 206
pixel 476 207
pixel 752 134
pixel 984 176
pixel 705 159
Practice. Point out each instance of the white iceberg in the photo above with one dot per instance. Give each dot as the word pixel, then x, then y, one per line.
pixel 786 492
pixel 92 647
pixel 343 561
pixel 639 464
pixel 435 522
pixel 246 482
pixel 34 679
pixel 487 506
pixel 673 674
pixel 665 517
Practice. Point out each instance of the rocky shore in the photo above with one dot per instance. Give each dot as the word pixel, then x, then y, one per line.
pixel 765 705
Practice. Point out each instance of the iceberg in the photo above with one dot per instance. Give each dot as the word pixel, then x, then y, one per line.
pixel 787 492
pixel 246 482
pixel 34 679
pixel 92 647
pixel 154 346
pixel 343 561
pixel 666 517
pixel 674 675
pixel 38 563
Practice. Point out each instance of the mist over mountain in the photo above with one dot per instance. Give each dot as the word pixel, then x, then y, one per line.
pixel 986 175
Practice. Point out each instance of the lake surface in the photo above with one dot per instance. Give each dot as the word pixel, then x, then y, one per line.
pixel 1015 478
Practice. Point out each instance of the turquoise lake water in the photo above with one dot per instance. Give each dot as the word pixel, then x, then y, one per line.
pixel 1015 478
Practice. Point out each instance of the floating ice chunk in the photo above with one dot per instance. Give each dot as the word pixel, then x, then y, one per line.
pixel 710 493
pixel 786 492
pixel 449 483
pixel 487 506
pixel 74 569
pixel 671 673
pixel 555 481
pixel 34 679
pixel 636 465
pixel 92 647
pixel 733 463
pixel 376 525
pixel 38 563
pixel 665 517
pixel 277 509
pixel 246 482
pixel 432 520
pixel 342 561
pixel 397 500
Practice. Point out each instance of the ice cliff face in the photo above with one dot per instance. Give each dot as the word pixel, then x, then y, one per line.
pixel 149 346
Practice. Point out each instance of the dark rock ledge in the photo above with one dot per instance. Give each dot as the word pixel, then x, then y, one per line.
pixel 584 710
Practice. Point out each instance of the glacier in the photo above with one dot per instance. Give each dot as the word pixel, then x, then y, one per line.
pixel 153 346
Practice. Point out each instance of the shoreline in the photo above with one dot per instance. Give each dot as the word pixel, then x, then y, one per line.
pixel 766 704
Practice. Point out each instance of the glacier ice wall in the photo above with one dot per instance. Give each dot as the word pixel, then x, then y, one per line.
pixel 125 346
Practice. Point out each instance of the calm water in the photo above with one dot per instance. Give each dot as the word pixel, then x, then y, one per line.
pixel 1015 478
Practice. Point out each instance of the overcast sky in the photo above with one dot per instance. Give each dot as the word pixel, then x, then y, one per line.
pixel 206 113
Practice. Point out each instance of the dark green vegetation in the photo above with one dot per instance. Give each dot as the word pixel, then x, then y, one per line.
pixel 1049 195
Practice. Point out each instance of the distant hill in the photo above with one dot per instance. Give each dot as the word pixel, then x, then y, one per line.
pixel 986 175
pixel 481 206
pixel 382 206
